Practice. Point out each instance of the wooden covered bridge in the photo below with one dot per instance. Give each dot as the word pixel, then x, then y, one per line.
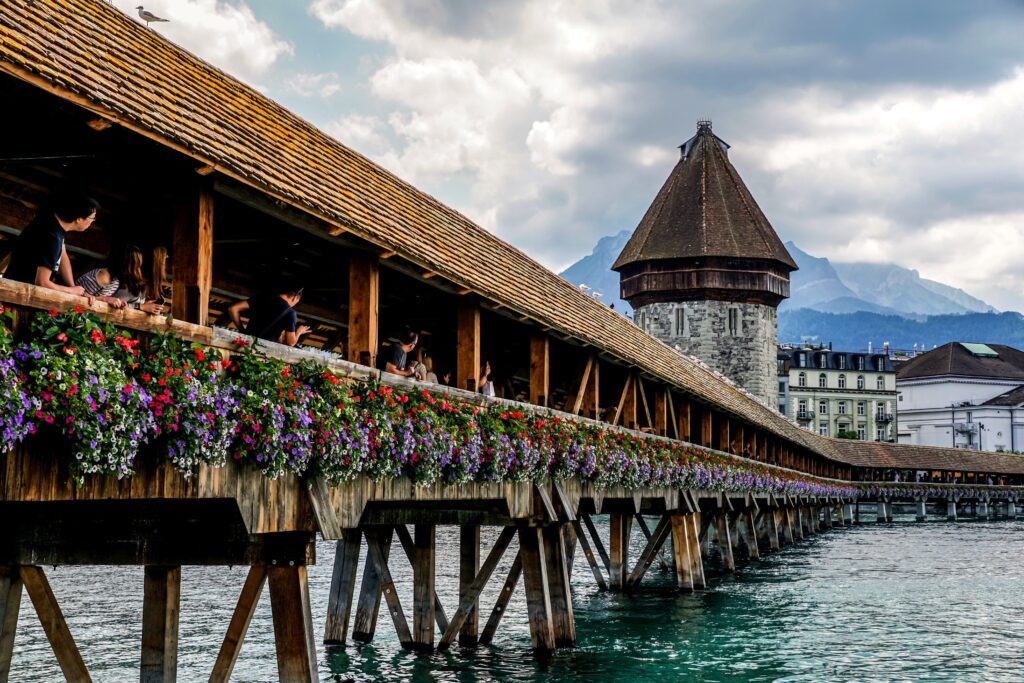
pixel 179 153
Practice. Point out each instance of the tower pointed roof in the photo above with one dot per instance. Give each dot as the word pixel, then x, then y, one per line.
pixel 704 210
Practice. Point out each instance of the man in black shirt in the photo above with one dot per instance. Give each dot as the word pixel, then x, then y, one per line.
pixel 40 252
pixel 270 317
pixel 397 355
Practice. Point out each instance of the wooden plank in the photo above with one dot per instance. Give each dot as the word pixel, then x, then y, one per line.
pixel 681 552
pixel 538 597
pixel 642 391
pixel 423 594
pixel 565 509
pixel 684 415
pixel 577 404
pixel 10 606
pixel 192 259
pixel 293 624
pixel 376 548
pixel 660 411
pixel 705 427
pixel 468 346
pixel 724 541
pixel 501 604
pixel 736 444
pixel 563 622
pixel 646 530
pixel 650 551
pixel 597 541
pixel 673 421
pixel 368 606
pixel 618 549
pixel 239 624
pixel 53 623
pixel 750 534
pixel 588 552
pixel 724 439
pixel 628 404
pixel 470 595
pixel 363 308
pixel 469 563
pixel 696 563
pixel 343 583
pixel 547 504
pixel 160 605
pixel 592 394
pixel 540 376
pixel 408 545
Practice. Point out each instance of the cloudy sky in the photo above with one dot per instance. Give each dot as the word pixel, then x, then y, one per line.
pixel 868 131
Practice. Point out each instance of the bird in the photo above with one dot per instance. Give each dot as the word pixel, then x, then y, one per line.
pixel 148 16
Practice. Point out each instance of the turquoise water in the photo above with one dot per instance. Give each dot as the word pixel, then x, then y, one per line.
pixel 901 602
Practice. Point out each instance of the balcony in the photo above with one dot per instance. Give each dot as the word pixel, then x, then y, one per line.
pixel 804 416
pixel 883 418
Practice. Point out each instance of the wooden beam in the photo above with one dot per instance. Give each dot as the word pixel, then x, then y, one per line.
pixel 160 604
pixel 642 390
pixel 592 393
pixel 10 606
pixel 588 552
pixel 423 594
pixel 293 624
pixel 684 414
pixel 646 531
pixel 625 413
pixel 696 563
pixel 468 346
pixel 673 422
pixel 343 583
pixel 661 411
pixel 597 542
pixel 239 624
pixel 681 552
pixel 736 442
pixel 52 619
pixel 469 563
pixel 575 405
pixel 363 309
pixel 540 387
pixel 538 596
pixel 100 124
pixel 501 604
pixel 724 541
pixel 375 542
pixel 651 550
pixel 563 622
pixel 621 524
pixel 470 594
pixel 368 606
pixel 192 259
pixel 705 427
pixel 724 438
pixel 409 546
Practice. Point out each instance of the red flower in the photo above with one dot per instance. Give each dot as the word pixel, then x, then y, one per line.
pixel 78 309
pixel 240 342
pixel 200 356
pixel 62 337
pixel 53 312
pixel 146 377
pixel 161 382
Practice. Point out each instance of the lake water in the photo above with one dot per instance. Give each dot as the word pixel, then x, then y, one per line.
pixel 901 602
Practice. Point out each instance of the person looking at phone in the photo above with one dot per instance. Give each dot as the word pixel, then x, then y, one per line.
pixel 486 384
pixel 271 317
pixel 397 355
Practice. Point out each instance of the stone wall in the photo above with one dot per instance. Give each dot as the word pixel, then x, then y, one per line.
pixel 745 354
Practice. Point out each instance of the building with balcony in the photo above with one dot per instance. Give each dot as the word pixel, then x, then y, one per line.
pixel 833 392
pixel 963 395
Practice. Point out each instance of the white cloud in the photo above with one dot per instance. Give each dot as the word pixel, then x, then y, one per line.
pixel 315 85
pixel 224 33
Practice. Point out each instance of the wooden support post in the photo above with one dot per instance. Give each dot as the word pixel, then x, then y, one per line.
pixel 53 623
pixel 469 563
pixel 724 439
pixel 618 549
pixel 736 446
pixel 750 535
pixel 161 598
pixel 293 624
pixel 596 539
pixel 343 583
pixel 826 517
pixel 592 393
pixel 540 388
pixel 625 414
pixel 423 589
pixel 365 623
pixel 409 546
pixel 538 597
pixel 681 552
pixel 724 540
pixel 660 411
pixel 652 550
pixel 751 443
pixel 771 522
pixel 10 606
pixel 588 553
pixel 705 427
pixel 683 414
pixel 239 625
pixel 487 635
pixel 763 449
pixel 787 526
pixel 469 595
pixel 468 346
pixel 642 523
pixel 363 308
pixel 563 622
pixel 376 546
pixel 797 521
pixel 192 258
pixel 693 526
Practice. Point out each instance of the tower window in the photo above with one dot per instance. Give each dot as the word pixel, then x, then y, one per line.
pixel 641 320
pixel 734 322
pixel 682 328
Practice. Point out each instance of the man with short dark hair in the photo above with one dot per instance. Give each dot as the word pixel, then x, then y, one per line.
pixel 40 252
pixel 271 316
pixel 398 355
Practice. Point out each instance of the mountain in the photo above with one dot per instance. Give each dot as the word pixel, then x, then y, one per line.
pixel 595 270
pixel 903 290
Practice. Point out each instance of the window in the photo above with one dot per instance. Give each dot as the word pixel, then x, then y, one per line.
pixel 734 322
pixel 842 407
pixel 801 360
pixel 801 379
pixel 860 381
pixel 780 365
pixel 641 320
pixel 880 363
pixel 823 429
pixel 862 432
pixel 842 380
pixel 802 405
pixel 860 362
pixel 842 362
pixel 823 408
pixel 682 329
pixel 880 383
pixel 880 434
pixel 822 380
pixel 782 388
pixel 880 410
pixel 861 408
pixel 822 360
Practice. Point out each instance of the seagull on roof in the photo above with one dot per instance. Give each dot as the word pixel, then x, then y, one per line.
pixel 148 16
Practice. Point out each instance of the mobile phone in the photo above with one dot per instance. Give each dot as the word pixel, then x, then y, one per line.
pixel 160 300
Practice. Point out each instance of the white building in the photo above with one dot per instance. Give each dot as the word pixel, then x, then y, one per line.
pixel 963 395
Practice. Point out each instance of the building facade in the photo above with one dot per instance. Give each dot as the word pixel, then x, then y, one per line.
pixel 835 392
pixel 963 395
pixel 704 270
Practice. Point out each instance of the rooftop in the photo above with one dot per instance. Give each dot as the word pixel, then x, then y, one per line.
pixel 958 359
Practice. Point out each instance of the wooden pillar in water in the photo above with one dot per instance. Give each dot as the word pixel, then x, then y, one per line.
pixel 54 625
pixel 245 608
pixel 538 597
pixel 951 509
pixel 1011 508
pixel 621 525
pixel 798 522
pixel 423 588
pixel 922 511
pixel 563 621
pixel 192 257
pixel 468 346
pixel 681 552
pixel 724 540
pixel 826 517
pixel 160 602
pixel 540 389
pixel 750 534
pixel 469 564
pixel 10 606
pixel 368 606
pixel 343 582
pixel 293 624
pixel 363 308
